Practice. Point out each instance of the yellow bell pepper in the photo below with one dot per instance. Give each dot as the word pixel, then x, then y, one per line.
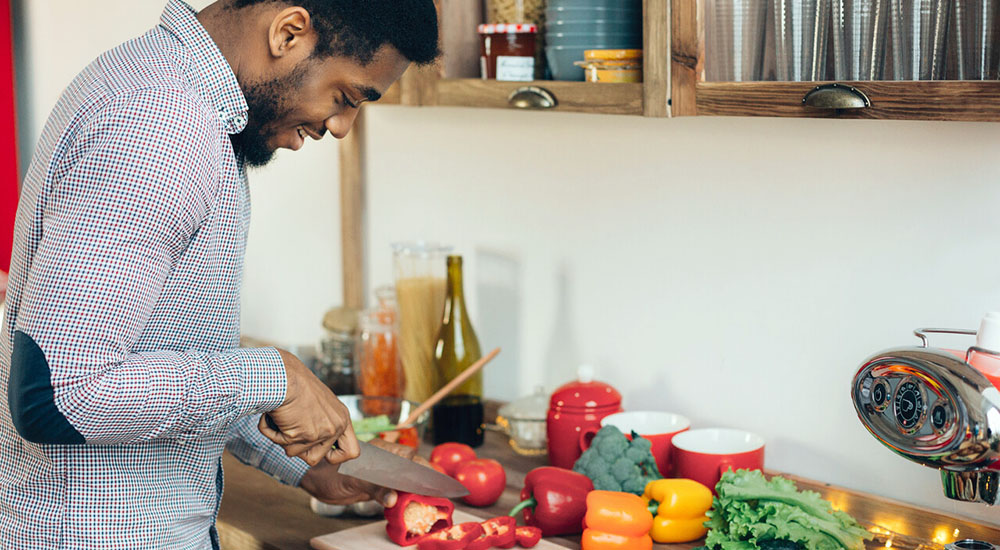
pixel 680 516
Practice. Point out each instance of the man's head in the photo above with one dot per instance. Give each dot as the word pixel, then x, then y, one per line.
pixel 305 66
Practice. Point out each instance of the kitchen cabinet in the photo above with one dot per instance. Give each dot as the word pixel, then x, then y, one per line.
pixel 674 83
pixel 965 100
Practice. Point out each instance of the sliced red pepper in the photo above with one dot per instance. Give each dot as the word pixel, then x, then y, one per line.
pixel 497 533
pixel 528 537
pixel 554 500
pixel 415 516
pixel 456 537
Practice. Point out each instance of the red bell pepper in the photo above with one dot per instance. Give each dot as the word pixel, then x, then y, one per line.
pixel 497 533
pixel 554 500
pixel 415 516
pixel 456 537
pixel 528 537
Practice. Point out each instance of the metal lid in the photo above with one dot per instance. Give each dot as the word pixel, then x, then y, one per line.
pixel 341 319
pixel 585 393
pixel 612 55
pixel 508 28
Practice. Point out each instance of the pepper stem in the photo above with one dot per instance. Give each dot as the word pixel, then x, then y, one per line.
pixel 529 503
pixel 653 507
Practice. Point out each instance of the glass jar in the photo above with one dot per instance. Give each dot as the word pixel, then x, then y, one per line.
pixel 380 371
pixel 335 365
pixel 612 65
pixel 420 287
pixel 507 51
pixel 515 11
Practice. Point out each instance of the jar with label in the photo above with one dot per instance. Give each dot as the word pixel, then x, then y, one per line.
pixel 507 51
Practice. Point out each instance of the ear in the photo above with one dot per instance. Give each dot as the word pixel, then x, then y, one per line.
pixel 291 29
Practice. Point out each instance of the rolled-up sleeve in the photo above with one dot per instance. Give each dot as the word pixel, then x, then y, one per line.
pixel 250 446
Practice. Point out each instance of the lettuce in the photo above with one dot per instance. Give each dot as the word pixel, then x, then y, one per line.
pixel 752 513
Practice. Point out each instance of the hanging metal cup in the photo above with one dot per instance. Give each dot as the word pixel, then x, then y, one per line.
pixel 734 37
pixel 919 32
pixel 800 38
pixel 975 39
pixel 859 38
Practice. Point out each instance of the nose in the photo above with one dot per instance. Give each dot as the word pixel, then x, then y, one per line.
pixel 340 124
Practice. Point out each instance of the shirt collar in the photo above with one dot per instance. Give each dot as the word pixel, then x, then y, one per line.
pixel 215 79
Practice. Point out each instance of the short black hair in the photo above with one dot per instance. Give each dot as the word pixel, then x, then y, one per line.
pixel 358 28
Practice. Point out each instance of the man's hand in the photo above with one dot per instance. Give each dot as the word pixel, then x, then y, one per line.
pixel 312 423
pixel 324 482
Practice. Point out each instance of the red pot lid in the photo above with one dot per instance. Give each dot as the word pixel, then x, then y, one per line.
pixel 585 393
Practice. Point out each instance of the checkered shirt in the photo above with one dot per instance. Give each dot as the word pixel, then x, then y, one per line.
pixel 126 271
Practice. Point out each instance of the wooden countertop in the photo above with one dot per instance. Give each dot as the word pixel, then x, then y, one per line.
pixel 258 513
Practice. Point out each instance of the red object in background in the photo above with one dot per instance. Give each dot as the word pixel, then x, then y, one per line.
pixel 8 137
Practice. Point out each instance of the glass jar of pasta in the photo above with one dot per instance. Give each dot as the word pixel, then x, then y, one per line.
pixel 515 11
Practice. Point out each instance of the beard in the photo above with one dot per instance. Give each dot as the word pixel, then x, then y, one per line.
pixel 267 103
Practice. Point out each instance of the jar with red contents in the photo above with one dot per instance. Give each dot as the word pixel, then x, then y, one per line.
pixel 573 409
pixel 507 51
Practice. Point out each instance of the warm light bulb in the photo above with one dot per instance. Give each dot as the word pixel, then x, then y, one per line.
pixel 888 543
pixel 941 535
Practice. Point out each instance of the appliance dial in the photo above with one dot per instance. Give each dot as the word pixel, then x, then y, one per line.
pixel 941 416
pixel 909 407
pixel 880 395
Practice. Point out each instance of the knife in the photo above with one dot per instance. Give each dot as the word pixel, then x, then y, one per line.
pixel 386 469
pixel 383 468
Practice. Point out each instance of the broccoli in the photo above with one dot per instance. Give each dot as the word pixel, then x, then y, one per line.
pixel 614 463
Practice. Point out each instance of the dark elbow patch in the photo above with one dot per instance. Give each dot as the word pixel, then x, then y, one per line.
pixel 31 398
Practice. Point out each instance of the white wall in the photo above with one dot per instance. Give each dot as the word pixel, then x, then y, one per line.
pixel 733 270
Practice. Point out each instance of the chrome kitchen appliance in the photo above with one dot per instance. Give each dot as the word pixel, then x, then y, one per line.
pixel 939 408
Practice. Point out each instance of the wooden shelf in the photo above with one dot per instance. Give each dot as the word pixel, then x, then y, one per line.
pixel 911 100
pixel 616 99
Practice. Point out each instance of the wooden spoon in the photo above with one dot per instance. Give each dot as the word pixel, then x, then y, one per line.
pixel 441 394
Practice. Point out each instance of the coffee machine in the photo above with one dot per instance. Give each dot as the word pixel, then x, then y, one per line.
pixel 939 408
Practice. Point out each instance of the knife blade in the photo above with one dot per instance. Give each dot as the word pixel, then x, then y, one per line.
pixel 386 469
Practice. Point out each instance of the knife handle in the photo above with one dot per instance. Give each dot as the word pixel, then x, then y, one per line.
pixel 271 424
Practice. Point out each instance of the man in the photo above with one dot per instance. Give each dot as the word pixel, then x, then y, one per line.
pixel 119 351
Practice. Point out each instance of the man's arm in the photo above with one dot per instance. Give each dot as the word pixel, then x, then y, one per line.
pixel 138 187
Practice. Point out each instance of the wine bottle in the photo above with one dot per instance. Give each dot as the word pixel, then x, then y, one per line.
pixel 457 345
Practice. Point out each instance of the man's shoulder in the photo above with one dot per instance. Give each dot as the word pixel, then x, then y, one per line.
pixel 151 73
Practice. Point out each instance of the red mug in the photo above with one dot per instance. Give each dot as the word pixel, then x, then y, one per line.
pixel 658 427
pixel 704 455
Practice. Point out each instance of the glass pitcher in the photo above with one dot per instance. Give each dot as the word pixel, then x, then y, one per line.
pixel 420 273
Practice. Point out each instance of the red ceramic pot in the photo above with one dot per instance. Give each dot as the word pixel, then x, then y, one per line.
pixel 574 408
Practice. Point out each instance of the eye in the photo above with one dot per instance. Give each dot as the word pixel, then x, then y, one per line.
pixel 347 101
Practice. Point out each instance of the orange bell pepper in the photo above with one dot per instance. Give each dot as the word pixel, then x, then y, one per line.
pixel 616 521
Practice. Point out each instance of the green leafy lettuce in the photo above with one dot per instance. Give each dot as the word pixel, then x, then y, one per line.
pixel 752 513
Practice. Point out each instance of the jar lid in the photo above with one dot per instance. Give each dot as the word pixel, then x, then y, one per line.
pixel 585 393
pixel 508 28
pixel 618 55
pixel 341 319
pixel 531 407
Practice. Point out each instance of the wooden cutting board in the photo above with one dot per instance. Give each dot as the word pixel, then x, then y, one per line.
pixel 372 537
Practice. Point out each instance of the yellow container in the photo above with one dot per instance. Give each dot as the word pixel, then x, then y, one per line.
pixel 612 65
pixel 611 71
